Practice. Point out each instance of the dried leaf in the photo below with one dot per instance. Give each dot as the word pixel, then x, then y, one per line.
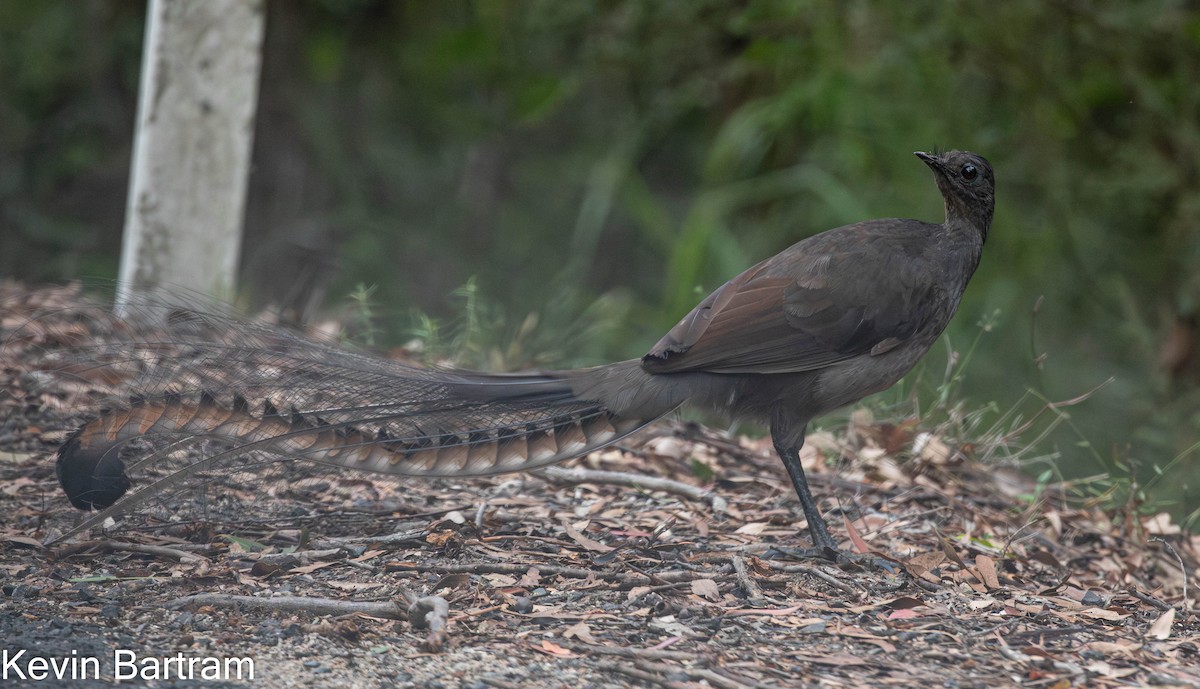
pixel 668 448
pixel 23 540
pixel 922 566
pixel 740 612
pixel 308 569
pixel 581 631
pixel 932 449
pixel 1160 525
pixel 1045 557
pixel 584 541
pixel 1161 628
pixel 982 603
pixel 706 588
pixel 452 581
pixel 440 538
pixel 265 569
pixel 671 626
pixel 530 579
pixel 753 528
pixel 860 546
pixel 905 603
pixel 948 549
pixel 1104 614
pixel 553 649
pixel 1037 652
pixel 1055 521
pixel 840 659
pixel 986 567
pixel 1123 647
pixel 1103 669
pixel 635 592
pixel 500 580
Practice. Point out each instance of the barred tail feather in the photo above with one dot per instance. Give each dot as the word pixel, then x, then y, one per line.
pixel 489 425
pixel 216 395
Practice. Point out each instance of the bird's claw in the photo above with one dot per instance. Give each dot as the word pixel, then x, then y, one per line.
pixel 842 558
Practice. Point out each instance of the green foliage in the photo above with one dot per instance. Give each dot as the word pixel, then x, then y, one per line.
pixel 703 472
pixel 362 315
pixel 479 335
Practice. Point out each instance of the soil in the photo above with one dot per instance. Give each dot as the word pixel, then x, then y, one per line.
pixel 966 574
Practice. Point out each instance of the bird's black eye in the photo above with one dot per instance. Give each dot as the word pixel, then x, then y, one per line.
pixel 969 172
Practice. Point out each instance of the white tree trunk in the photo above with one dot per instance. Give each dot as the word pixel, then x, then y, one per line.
pixel 191 156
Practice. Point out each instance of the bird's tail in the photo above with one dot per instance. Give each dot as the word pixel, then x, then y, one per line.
pixel 205 400
pixel 467 429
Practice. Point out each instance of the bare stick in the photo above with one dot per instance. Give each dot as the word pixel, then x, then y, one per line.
pixel 1187 606
pixel 823 576
pixel 315 606
pixel 301 556
pixel 1148 599
pixel 621 478
pixel 720 681
pixel 673 576
pixel 626 652
pixel 397 537
pixel 432 613
pixel 158 550
pixel 630 671
pixel 749 586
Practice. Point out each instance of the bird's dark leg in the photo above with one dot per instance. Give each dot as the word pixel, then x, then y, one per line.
pixel 790 454
pixel 788 443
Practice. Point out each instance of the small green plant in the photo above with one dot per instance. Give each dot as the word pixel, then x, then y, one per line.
pixel 702 471
pixel 480 335
pixel 363 320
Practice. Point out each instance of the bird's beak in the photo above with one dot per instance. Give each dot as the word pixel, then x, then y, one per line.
pixel 929 160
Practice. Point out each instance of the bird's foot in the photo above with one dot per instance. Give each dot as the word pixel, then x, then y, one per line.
pixel 842 558
pixel 784 552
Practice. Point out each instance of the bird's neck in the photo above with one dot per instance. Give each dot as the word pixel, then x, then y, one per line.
pixel 968 228
pixel 966 236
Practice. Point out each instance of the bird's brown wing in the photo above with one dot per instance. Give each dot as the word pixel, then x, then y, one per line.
pixel 812 306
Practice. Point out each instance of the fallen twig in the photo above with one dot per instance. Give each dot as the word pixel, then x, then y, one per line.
pixel 315 606
pixel 300 556
pixel 397 537
pixel 714 679
pixel 1187 605
pixel 630 671
pixel 432 613
pixel 749 586
pixel 621 478
pixel 1072 669
pixel 823 576
pixel 673 576
pixel 122 546
pixel 1148 599
pixel 626 652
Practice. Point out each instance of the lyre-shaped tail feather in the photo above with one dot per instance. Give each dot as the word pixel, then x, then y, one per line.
pixel 94 476
pixel 263 394
pixel 476 434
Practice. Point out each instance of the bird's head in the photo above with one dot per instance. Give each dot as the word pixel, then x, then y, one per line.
pixel 968 186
